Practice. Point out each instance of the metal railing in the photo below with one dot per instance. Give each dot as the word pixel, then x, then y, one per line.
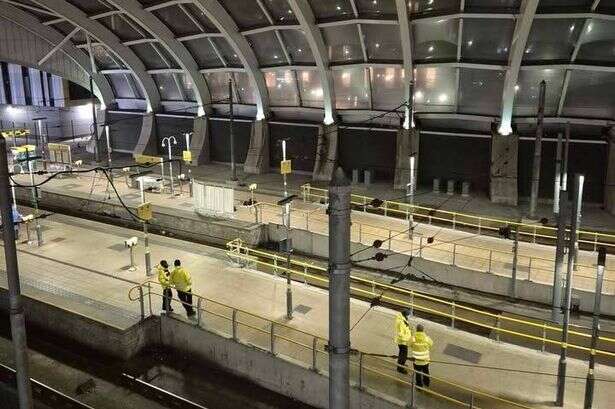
pixel 455 253
pixel 541 332
pixel 368 372
pixel 532 232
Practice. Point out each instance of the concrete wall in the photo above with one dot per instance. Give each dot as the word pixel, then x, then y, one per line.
pixel 308 243
pixel 183 224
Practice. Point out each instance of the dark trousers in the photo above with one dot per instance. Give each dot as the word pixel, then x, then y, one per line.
pixel 186 298
pixel 422 375
pixel 401 358
pixel 167 296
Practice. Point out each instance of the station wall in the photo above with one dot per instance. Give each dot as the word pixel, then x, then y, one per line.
pixel 220 143
pixel 301 147
pixel 124 130
pixel 170 126
pixel 373 150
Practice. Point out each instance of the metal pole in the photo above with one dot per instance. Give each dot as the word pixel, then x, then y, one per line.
pixel 148 256
pixel 589 385
pixel 231 133
pixel 411 191
pixel 513 284
pixel 17 316
pixel 289 289
pixel 284 175
pixel 108 147
pixel 575 221
pixel 94 122
pixel 171 167
pixel 557 183
pixel 187 141
pixel 39 232
pixel 556 311
pixel 538 150
pixel 339 290
pixel 565 164
pixel 162 174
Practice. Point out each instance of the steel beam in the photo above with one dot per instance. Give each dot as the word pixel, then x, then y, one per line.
pixel 112 42
pixel 406 48
pixel 314 37
pixel 226 25
pixel 28 22
pixel 167 39
pixel 517 50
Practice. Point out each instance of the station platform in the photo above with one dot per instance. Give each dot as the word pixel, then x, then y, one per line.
pixel 82 267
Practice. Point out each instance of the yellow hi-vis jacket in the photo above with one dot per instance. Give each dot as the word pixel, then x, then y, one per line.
pixel 181 279
pixel 421 345
pixel 403 333
pixel 163 277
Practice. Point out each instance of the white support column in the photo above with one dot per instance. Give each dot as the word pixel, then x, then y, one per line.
pixel 406 48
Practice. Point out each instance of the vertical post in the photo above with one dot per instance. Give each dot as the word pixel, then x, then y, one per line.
pixel 339 292
pixel 284 175
pixel 513 284
pixel 289 288
pixel 187 141
pixel 231 133
pixel 148 256
pixel 108 136
pixel 72 129
pixel 556 310
pixel 589 385
pixel 557 183
pixel 17 317
pixel 565 164
pixel 538 150
pixel 171 167
pixel 39 231
pixel 411 191
pixel 94 122
pixel 575 221
pixel 162 174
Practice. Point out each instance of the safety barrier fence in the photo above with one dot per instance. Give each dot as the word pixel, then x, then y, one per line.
pixel 456 220
pixel 453 252
pixel 533 331
pixel 367 371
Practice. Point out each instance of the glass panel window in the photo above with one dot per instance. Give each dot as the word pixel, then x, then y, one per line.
pixel 480 91
pixel 120 86
pixel 552 40
pixel 433 6
pixel 485 6
pixel 167 87
pixel 201 17
pixel 383 42
pixel 435 89
pixel 267 48
pixel 104 60
pixel 187 86
pixel 598 43
pixel 528 89
pixel 310 88
pixel 280 11
pixel 218 86
pixel 590 94
pixel 150 57
pixel 388 87
pixel 282 88
pixel 297 46
pixel 121 27
pixel 486 40
pixel 385 9
pixel 247 94
pixel 176 20
pixel 247 14
pixel 564 6
pixel 327 10
pixel 436 41
pixel 229 55
pixel 352 88
pixel 204 53
pixel 343 44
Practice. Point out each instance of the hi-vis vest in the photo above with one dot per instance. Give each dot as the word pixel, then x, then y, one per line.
pixel 403 333
pixel 421 345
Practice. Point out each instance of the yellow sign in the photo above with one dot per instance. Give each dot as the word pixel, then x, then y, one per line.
pixel 15 132
pixel 187 156
pixel 144 159
pixel 144 211
pixel 60 147
pixel 26 148
pixel 285 167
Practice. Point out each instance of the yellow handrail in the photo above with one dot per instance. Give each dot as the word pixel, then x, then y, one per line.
pixel 236 247
pixel 390 365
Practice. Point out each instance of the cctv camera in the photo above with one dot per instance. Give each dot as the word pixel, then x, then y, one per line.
pixel 131 242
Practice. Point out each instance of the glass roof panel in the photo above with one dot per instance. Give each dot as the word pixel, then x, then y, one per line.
pixel 486 40
pixel 343 44
pixel 564 6
pixel 352 88
pixel 297 46
pixel 149 56
pixel 387 87
pixel 91 6
pixel 203 53
pixel 120 86
pixel 167 87
pixel 122 28
pixel 499 6
pixel 104 60
pixel 436 41
pixel 310 88
pixel 377 9
pixel 528 90
pixel 433 7
pixel 247 94
pixel 247 14
pixel 590 94
pixel 195 12
pixel 66 28
pixel 552 40
pixel 606 6
pixel 187 86
pixel 176 20
pixel 267 48
pixel 327 10
pixel 229 55
pixel 280 11
pixel 435 89
pixel 218 85
pixel 480 91
pixel 282 87
pixel 383 42
pixel 598 43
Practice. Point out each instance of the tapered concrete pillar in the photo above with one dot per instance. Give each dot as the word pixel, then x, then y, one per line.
pixel 146 145
pixel 257 161
pixel 326 152
pixel 609 187
pixel 199 143
pixel 503 173
pixel 407 145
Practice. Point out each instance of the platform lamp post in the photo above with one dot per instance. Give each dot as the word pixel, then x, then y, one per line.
pixel 166 142
pixel 286 201
pixel 148 257
pixel 40 137
pixel 39 231
pixel 411 190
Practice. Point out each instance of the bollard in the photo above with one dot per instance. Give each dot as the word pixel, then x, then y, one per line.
pixel 453 315
pixel 490 258
pixel 497 331
pixel 544 337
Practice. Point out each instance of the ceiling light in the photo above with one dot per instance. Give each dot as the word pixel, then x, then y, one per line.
pixel 430 49
pixel 443 98
pixel 517 88
pixel 470 43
